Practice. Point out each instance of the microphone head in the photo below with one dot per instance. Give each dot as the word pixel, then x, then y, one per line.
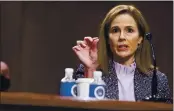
pixel 148 36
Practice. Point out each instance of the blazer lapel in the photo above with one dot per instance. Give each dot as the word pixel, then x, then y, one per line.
pixel 112 83
pixel 142 88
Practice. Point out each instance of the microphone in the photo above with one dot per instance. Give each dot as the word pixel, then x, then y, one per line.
pixel 154 97
pixel 154 77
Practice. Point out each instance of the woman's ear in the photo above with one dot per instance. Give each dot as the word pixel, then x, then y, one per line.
pixel 140 39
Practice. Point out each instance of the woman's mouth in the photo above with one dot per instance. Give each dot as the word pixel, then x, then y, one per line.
pixel 123 47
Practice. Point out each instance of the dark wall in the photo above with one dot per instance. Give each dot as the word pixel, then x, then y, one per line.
pixel 37 37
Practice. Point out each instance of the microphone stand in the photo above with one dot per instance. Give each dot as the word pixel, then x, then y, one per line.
pixel 154 97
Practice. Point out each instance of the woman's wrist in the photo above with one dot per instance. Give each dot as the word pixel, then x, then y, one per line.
pixel 89 72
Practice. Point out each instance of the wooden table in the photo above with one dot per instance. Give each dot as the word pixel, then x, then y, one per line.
pixel 23 101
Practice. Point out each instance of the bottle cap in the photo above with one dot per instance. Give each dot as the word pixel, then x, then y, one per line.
pixel 69 71
pixel 97 74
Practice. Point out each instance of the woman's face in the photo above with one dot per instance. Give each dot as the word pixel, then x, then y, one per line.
pixel 124 36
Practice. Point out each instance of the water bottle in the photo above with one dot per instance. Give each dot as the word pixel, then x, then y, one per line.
pixel 97 88
pixel 68 85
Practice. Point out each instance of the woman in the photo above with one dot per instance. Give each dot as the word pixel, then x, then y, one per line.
pixel 123 55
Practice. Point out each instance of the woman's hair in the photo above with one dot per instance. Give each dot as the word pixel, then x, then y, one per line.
pixel 143 57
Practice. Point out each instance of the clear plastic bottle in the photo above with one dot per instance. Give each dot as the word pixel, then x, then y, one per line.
pixel 68 75
pixel 68 85
pixel 97 88
pixel 97 75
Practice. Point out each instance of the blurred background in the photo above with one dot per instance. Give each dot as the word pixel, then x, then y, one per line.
pixel 37 38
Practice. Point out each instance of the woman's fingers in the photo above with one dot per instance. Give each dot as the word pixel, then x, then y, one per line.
pixel 95 38
pixel 78 42
pixel 88 41
pixel 81 43
pixel 94 44
pixel 76 48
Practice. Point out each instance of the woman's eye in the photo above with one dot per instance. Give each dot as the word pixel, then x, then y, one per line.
pixel 115 30
pixel 129 30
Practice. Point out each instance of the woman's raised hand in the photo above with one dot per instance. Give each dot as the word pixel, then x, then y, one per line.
pixel 86 51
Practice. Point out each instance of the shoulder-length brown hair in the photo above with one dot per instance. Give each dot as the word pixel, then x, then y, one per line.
pixel 143 57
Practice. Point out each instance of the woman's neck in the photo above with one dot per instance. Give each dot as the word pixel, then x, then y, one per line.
pixel 125 61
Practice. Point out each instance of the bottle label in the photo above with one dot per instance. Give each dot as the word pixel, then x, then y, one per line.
pixel 68 89
pixel 97 91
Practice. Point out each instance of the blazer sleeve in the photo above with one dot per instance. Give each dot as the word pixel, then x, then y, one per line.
pixel 79 73
pixel 163 86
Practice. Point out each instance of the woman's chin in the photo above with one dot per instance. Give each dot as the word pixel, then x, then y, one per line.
pixel 123 55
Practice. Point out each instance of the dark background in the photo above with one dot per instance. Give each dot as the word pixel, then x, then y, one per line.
pixel 37 38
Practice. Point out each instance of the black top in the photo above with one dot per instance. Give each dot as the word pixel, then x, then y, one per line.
pixel 4 83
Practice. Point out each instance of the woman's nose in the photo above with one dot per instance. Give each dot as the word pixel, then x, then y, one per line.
pixel 122 35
